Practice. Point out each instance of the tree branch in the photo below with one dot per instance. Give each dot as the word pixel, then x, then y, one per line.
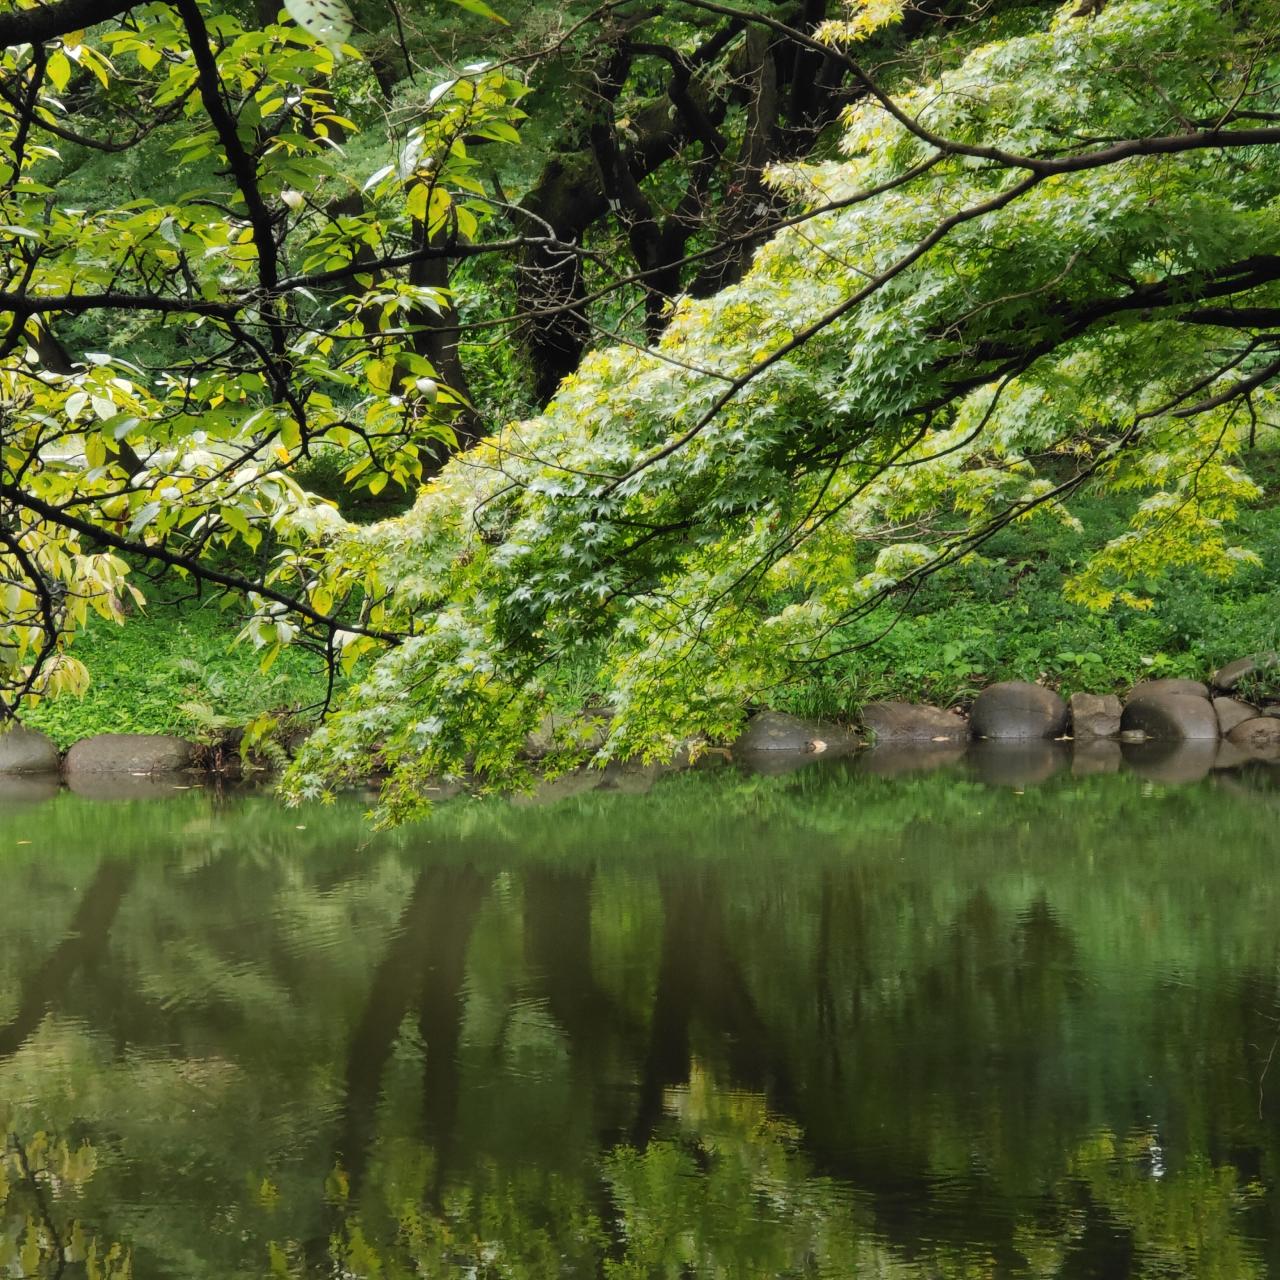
pixel 174 560
pixel 48 21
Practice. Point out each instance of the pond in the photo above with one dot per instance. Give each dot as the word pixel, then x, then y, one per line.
pixel 823 1024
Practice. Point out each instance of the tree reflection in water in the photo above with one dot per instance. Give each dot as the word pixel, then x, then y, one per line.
pixel 822 1025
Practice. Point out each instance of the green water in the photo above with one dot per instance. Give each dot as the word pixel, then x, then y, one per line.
pixel 821 1024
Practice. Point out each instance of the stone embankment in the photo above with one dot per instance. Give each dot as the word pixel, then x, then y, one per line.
pixel 1015 733
pixel 106 765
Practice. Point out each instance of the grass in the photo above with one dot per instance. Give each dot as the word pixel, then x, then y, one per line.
pixel 144 672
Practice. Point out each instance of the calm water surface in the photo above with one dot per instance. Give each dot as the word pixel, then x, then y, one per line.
pixel 824 1024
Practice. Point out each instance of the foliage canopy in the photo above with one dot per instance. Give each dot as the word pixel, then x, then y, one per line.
pixel 986 303
pixel 1042 258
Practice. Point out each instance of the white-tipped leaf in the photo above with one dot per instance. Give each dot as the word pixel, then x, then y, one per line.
pixel 327 20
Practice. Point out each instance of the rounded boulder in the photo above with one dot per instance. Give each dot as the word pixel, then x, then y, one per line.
pixel 771 731
pixel 1016 710
pixel 130 753
pixel 1171 717
pixel 909 722
pixel 1259 736
pixel 1158 688
pixel 585 732
pixel 23 750
pixel 1230 713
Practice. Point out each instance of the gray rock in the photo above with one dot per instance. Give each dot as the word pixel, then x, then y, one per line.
pixel 1229 676
pixel 1023 762
pixel 1094 715
pixel 1156 688
pixel 136 753
pixel 1095 755
pixel 909 722
pixel 774 731
pixel 1172 763
pixel 1231 713
pixel 1171 717
pixel 585 730
pixel 23 750
pixel 1260 737
pixel 1017 710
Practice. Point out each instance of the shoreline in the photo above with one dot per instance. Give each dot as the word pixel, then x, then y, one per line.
pixel 1015 733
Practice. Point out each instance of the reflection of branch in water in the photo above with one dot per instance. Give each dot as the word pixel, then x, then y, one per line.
pixel 37 1192
pixel 1266 1066
pixel 557 934
pixel 420 975
pixel 441 1005
pixel 823 993
pixel 701 989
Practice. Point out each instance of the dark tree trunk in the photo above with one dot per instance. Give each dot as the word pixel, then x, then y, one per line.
pixel 565 201
pixel 81 947
pixel 436 338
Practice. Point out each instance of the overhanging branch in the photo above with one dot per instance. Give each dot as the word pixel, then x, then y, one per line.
pixel 175 560
pixel 48 21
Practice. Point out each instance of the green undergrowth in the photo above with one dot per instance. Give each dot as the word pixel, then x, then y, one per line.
pixel 1002 617
pixel 175 669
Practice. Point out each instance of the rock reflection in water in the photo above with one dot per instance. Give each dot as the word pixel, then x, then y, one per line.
pixel 18 788
pixel 1172 763
pixel 1091 756
pixel 895 760
pixel 1026 762
pixel 130 786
